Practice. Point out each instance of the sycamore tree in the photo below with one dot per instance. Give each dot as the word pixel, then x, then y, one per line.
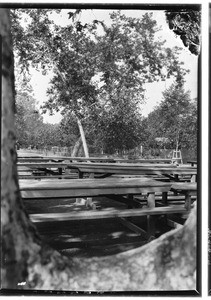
pixel 131 56
pixel 46 46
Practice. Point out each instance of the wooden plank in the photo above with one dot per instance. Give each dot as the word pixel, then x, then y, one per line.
pixel 78 192
pixel 93 183
pixel 89 187
pixel 38 160
pixel 45 165
pixel 74 158
pixel 112 159
pixel 185 186
pixel 29 156
pixel 53 177
pixel 105 214
pixel 152 161
pixel 131 169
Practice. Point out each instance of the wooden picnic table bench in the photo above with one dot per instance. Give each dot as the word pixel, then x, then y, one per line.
pixel 109 169
pixel 82 159
pixel 29 156
pixel 143 160
pixel 53 168
pixel 113 188
pixel 95 159
pixel 91 187
pixel 38 160
pixel 58 166
pixel 121 160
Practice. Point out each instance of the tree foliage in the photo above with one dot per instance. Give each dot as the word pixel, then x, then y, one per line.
pixel 97 67
pixel 174 119
pixel 186 23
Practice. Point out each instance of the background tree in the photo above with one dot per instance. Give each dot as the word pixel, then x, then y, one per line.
pixel 175 119
pixel 27 118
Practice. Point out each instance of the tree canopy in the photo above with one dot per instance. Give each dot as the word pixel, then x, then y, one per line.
pixel 174 119
pixel 97 67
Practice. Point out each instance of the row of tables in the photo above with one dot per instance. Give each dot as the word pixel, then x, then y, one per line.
pixel 120 180
pixel 105 168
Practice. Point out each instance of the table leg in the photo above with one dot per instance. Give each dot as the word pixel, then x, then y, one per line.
pixel 151 219
pixel 188 201
pixel 193 178
pixel 151 200
pixel 130 199
pixel 176 176
pixel 164 198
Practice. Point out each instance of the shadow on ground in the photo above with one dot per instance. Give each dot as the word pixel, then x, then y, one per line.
pixel 89 238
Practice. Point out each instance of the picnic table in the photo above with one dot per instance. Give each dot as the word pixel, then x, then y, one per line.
pixel 118 189
pixel 94 159
pixel 52 168
pixel 29 156
pixel 74 158
pixel 38 159
pixel 143 160
pixel 109 169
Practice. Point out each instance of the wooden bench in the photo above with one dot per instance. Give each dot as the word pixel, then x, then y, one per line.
pixel 51 168
pixel 109 169
pixel 142 160
pixel 111 159
pixel 37 160
pixel 122 190
pixel 80 159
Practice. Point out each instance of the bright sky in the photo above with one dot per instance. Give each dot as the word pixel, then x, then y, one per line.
pixel 154 91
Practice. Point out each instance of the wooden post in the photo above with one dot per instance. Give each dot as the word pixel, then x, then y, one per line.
pixel 86 151
pixel 164 198
pixel 151 219
pixel 188 200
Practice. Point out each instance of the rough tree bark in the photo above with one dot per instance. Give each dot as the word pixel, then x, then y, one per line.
pixel 168 263
pixel 83 138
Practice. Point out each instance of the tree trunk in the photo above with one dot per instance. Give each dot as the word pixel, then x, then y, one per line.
pixel 168 263
pixel 83 138
pixel 77 147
